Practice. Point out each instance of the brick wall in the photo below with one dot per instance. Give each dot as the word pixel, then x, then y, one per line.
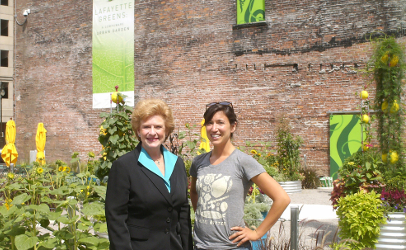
pixel 302 63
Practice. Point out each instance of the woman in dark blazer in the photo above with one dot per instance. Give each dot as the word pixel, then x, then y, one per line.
pixel 146 202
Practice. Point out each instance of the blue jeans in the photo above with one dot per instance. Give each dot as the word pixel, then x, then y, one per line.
pixel 246 246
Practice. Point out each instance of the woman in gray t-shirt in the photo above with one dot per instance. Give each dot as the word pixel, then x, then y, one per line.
pixel 220 183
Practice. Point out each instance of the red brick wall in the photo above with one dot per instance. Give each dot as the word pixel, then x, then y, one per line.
pixel 187 53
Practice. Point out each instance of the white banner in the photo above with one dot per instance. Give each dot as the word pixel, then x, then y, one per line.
pixel 113 50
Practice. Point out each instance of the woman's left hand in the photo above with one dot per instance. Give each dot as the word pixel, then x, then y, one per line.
pixel 243 235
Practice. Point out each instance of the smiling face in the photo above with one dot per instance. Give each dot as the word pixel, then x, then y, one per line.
pixel 219 129
pixel 152 132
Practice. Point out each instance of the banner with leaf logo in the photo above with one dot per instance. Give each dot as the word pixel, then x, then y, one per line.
pixel 113 50
pixel 250 11
pixel 345 139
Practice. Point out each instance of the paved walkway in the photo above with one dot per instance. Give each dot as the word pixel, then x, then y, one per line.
pixel 314 204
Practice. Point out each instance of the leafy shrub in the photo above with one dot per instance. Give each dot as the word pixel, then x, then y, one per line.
pixel 288 151
pixel 360 171
pixel 116 136
pixel 360 216
pixel 253 213
pixel 393 195
pixel 311 180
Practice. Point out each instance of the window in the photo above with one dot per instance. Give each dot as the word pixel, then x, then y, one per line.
pixel 4 90
pixel 4 27
pixel 4 2
pixel 4 58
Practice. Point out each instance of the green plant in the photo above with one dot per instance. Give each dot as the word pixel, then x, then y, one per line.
pixel 188 147
pixel 311 180
pixel 255 208
pixel 116 136
pixel 360 171
pixel 387 67
pixel 288 151
pixel 393 195
pixel 262 152
pixel 253 214
pixel 46 209
pixel 360 216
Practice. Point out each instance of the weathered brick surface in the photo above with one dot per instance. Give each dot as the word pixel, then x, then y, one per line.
pixel 301 64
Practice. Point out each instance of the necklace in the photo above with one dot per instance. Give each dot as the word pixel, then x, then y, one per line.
pixel 158 161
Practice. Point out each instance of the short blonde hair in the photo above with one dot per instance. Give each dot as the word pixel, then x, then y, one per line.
pixel 149 107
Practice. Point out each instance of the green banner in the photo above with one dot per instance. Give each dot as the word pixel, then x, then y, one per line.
pixel 113 50
pixel 250 11
pixel 345 139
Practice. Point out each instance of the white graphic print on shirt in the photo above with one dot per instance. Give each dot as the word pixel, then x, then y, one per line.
pixel 212 195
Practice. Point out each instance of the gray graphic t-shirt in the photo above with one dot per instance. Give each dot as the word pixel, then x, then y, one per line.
pixel 221 189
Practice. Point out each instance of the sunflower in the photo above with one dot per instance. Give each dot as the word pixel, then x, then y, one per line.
pixel 60 169
pixel 67 170
pixel 10 176
pixel 8 203
pixel 254 152
pixel 103 131
pixel 40 170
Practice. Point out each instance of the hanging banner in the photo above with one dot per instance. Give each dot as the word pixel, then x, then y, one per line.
pixel 250 11
pixel 345 139
pixel 113 51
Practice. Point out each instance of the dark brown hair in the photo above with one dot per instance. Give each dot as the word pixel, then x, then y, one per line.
pixel 227 110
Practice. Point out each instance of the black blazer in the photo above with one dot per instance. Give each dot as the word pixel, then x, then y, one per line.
pixel 141 213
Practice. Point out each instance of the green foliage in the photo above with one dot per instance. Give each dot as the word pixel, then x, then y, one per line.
pixel 262 152
pixel 387 68
pixel 360 171
pixel 396 183
pixel 393 194
pixel 360 216
pixel 51 199
pixel 310 178
pixel 253 216
pixel 288 151
pixel 116 137
pixel 188 148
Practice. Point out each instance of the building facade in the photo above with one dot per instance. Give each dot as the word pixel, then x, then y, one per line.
pixel 303 62
pixel 6 65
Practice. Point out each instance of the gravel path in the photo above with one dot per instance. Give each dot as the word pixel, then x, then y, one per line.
pixel 312 196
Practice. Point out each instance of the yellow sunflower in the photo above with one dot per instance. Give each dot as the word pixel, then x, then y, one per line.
pixel 10 176
pixel 8 203
pixel 254 152
pixel 40 170
pixel 103 131
pixel 60 169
